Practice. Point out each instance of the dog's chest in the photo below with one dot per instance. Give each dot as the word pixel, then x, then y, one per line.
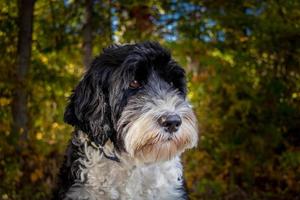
pixel 106 179
pixel 97 178
pixel 116 181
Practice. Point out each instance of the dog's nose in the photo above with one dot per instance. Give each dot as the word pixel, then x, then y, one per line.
pixel 171 123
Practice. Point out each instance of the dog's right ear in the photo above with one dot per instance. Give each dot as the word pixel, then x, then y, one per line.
pixel 86 102
pixel 88 105
pixel 88 108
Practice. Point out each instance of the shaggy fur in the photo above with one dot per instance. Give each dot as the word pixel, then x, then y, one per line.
pixel 132 122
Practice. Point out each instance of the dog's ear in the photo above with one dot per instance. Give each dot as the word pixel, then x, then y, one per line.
pixel 88 106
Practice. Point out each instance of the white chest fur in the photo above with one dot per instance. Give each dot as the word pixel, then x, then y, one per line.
pixel 100 178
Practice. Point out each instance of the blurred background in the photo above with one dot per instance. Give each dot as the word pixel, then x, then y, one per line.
pixel 242 59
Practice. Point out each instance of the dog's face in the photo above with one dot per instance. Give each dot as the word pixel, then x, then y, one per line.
pixel 135 95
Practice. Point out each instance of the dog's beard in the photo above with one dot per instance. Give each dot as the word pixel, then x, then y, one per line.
pixel 146 141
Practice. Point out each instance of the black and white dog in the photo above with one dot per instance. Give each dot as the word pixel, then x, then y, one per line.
pixel 132 122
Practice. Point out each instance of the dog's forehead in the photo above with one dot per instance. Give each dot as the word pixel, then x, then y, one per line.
pixel 141 68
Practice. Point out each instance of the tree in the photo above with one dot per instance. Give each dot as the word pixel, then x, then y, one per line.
pixel 20 94
pixel 87 33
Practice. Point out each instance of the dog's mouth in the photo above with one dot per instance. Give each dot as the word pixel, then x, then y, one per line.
pixel 161 150
pixel 154 145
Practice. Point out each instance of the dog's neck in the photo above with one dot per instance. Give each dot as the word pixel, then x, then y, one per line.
pixel 124 178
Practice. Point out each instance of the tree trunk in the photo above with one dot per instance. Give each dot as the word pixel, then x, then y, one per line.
pixel 19 102
pixel 87 34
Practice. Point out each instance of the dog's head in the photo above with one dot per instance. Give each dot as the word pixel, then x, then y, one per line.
pixel 135 95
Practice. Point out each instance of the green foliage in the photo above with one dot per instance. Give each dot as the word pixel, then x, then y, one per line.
pixel 242 60
pixel 248 107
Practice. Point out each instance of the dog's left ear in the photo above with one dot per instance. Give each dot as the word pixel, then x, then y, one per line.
pixel 88 106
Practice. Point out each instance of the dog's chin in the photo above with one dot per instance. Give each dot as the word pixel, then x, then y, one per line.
pixel 159 147
pixel 159 151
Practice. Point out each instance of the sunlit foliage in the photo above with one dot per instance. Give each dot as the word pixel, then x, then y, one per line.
pixel 242 60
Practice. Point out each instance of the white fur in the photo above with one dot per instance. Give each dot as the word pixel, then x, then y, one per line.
pixel 102 178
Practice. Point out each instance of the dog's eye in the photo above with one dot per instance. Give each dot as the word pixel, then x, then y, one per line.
pixel 135 84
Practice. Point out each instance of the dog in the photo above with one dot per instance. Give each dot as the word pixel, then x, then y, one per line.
pixel 132 122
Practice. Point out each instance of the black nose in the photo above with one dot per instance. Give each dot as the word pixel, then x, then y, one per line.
pixel 171 123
